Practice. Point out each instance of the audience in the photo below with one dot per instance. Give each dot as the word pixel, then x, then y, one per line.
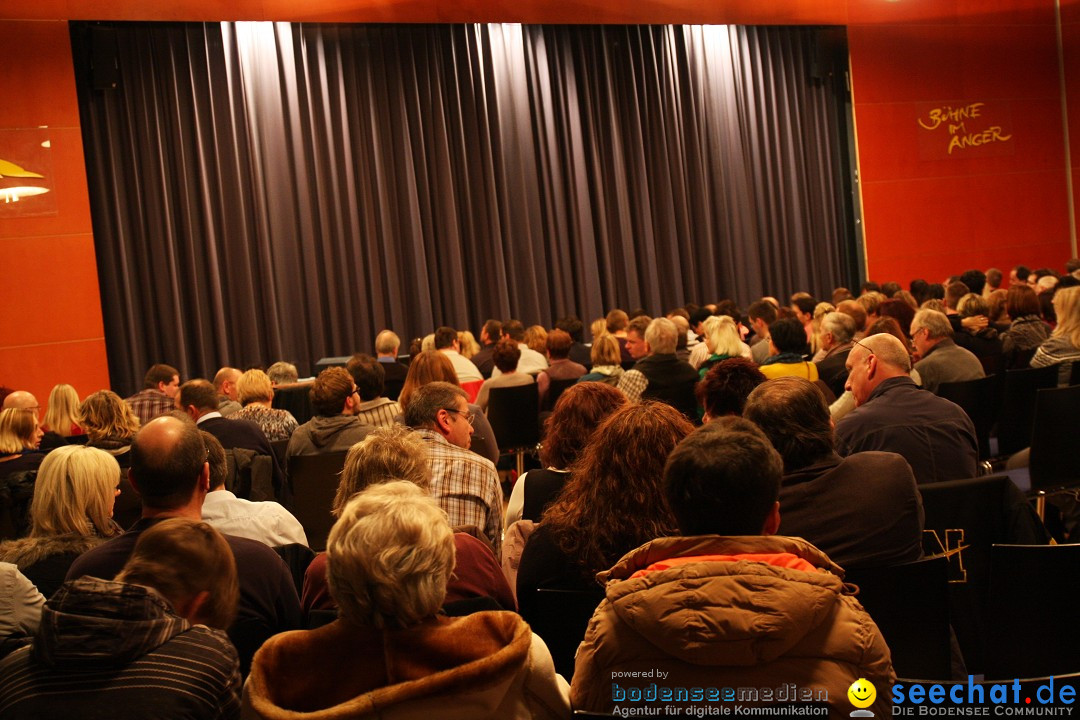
pixel 788 338
pixel 334 426
pixel 505 357
pixel 282 373
pixel 573 327
pixel 536 338
pixel 1027 331
pixel 729 602
pixel 941 360
pixel 158 396
pixel 606 361
pixel 446 342
pixel 836 338
pixel 560 366
pixel 1062 348
pixel 387 345
pixel 762 314
pixel 61 421
pixel 531 362
pixel 724 389
pixel 225 385
pixel 490 334
pixel 256 393
pixel 982 341
pixel 370 377
pixel 721 342
pixel 659 374
pixel 20 609
pixel 20 435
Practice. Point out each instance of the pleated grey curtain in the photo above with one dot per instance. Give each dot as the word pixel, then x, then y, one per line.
pixel 284 191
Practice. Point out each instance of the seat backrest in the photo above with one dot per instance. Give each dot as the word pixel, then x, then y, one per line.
pixel 981 400
pixel 313 480
pixel 1033 592
pixel 561 617
pixel 1055 461
pixel 910 605
pixel 1074 376
pixel 513 413
pixel 555 389
pixel 296 398
pixel 1018 406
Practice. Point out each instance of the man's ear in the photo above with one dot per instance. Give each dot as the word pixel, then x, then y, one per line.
pixel 442 422
pixel 772 522
pixel 193 412
pixel 204 478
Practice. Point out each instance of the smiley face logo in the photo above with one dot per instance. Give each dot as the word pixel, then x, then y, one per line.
pixel 862 693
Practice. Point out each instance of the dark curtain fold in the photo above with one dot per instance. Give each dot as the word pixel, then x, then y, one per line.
pixel 284 191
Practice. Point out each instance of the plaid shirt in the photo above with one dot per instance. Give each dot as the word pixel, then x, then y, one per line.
pixel 149 403
pixel 466 487
pixel 633 383
pixel 379 412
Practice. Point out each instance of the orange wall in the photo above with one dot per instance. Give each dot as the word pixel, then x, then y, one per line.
pixel 52 330
pixel 926 213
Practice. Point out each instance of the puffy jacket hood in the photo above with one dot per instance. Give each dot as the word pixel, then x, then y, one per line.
pixel 730 601
pixel 92 622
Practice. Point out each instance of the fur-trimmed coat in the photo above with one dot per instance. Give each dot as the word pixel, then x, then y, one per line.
pixel 45 560
pixel 484 665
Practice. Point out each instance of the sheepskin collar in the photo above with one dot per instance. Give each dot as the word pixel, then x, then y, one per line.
pixel 26 552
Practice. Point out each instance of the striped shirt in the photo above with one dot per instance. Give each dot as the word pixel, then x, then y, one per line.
pixel 379 412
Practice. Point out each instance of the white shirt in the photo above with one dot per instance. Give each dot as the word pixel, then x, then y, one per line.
pixel 268 522
pixel 20 602
pixel 464 367
pixel 530 362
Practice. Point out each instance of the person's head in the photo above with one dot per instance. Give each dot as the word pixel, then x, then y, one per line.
pixel 506 355
pixel 605 351
pixel 855 311
pixel 387 343
pixel 996 306
pixel 386 454
pixel 282 373
pixel 426 367
pixel 793 413
pixel 446 338
pixel 215 458
pixel 870 302
pixel 721 335
pixel 1020 301
pixel 191 565
pixel 467 344
pixel 617 320
pixel 578 411
pixel 442 408
pixel 975 280
pixel 104 415
pixel 598 329
pixel 558 344
pixel 934 304
pixel 661 337
pixel 928 329
pixel 870 287
pixel 874 360
pixel 724 480
pixel 536 338
pixel 953 292
pixel 1046 284
pixel 334 393
pixel 636 344
pixel 788 336
pixel 698 317
pixel 19 431
pixel 896 308
pixel 490 333
pixel 725 387
pixel 389 557
pixel 682 326
pixel 919 289
pixel 514 330
pixel 63 410
pixel 890 289
pixel 368 374
pixel 169 468
pixel 428 343
pixel 618 476
pixel 163 378
pixel 225 382
pixel 994 278
pixel 762 314
pixel 21 400
pixel 254 386
pixel 197 397
pixel 1067 308
pixel 74 493
pixel 572 326
pixel 972 305
pixel 840 294
pixel 837 329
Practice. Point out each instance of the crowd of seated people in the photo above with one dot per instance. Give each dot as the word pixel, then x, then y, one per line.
pixel 819 423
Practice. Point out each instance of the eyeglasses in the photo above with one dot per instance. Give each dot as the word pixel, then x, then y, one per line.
pixel 864 347
pixel 469 417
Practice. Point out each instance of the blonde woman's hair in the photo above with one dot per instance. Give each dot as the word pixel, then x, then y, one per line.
pixel 63 410
pixel 17 428
pixel 387 453
pixel 74 493
pixel 1067 307
pixel 389 557
pixel 105 415
pixel 598 329
pixel 605 351
pixel 254 386
pixel 536 338
pixel 467 343
pixel 721 335
pixel 180 559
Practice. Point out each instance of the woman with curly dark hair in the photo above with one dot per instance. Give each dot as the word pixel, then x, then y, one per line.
pixel 612 503
pixel 577 412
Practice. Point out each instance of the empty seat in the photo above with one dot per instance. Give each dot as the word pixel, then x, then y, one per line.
pixel 1018 406
pixel 981 400
pixel 313 482
pixel 514 416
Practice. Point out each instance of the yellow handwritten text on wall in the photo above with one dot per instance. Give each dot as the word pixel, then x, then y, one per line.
pixel 955 120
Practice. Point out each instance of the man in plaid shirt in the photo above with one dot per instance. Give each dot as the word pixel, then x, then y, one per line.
pixel 464 483
pixel 158 396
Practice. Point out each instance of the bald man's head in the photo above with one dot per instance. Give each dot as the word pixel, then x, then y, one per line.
pixel 168 461
pixel 21 400
pixel 873 361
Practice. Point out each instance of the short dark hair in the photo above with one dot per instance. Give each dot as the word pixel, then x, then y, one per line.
pixel 616 320
pixel 558 344
pixel 975 280
pixel 1072 265
pixel 934 291
pixel 494 330
pixel 788 335
pixel 723 479
pixel 506 355
pixel 1021 300
pixel 1022 272
pixel 953 292
pixel 159 373
pixel 725 387
pixel 792 412
pixel 428 400
pixel 890 289
pixel 572 326
pixel 200 393
pixel 514 330
pixel 639 324
pixel 993 278
pixel 699 316
pixel 445 337
pixel 870 286
pixel 919 289
pixel 729 308
pixel 368 374
pixel 805 303
pixel 215 455
pixel 762 310
pixel 332 388
pixel 167 480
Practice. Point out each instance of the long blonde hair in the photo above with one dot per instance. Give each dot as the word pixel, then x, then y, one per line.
pixel 63 410
pixel 1067 307
pixel 74 493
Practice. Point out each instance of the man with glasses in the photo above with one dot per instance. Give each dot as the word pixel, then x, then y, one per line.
pixel 335 426
pixel 894 414
pixel 465 484
pixel 941 359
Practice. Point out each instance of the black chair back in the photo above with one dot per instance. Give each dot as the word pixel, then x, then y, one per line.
pixel 910 604
pixel 1055 461
pixel 513 413
pixel 297 557
pixel 1033 592
pixel 1018 406
pixel 313 481
pixel 1074 376
pixel 981 400
pixel 555 389
pixel 560 617
pixel 296 398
